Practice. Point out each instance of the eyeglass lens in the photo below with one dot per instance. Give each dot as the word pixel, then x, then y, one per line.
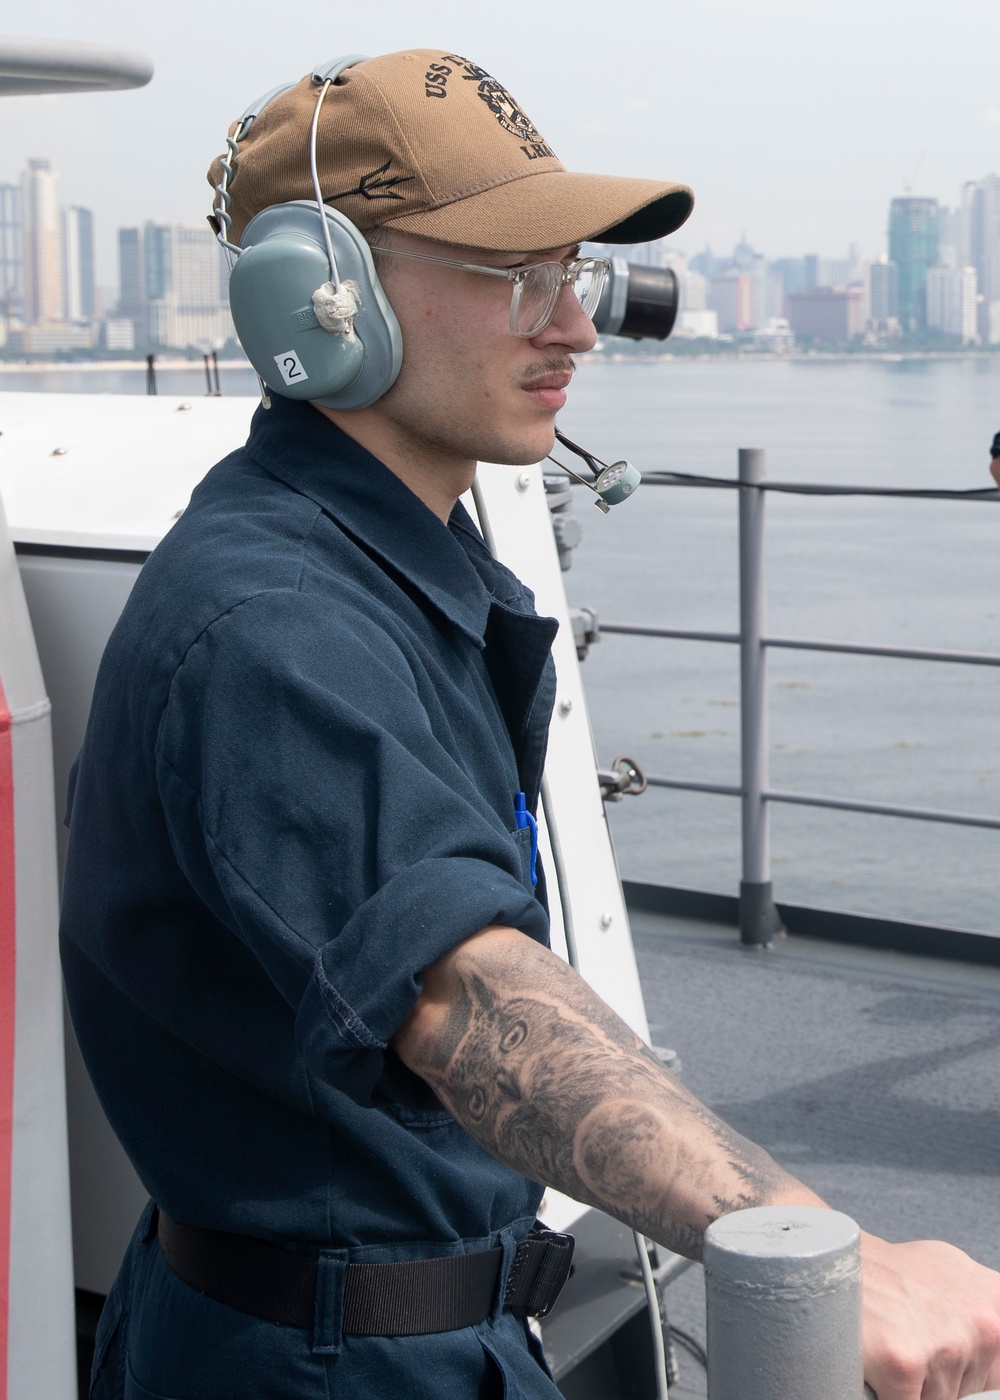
pixel 536 293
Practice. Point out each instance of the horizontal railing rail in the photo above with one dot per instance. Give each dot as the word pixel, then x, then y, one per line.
pixel 883 809
pixel 960 658
pixel 842 804
pixel 759 920
pixel 965 658
pixel 692 785
pixel 682 634
pixel 822 488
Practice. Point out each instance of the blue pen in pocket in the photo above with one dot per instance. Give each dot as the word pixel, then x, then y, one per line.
pixel 524 818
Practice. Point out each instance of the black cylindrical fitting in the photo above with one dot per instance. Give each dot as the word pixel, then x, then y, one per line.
pixel 651 309
pixel 638 302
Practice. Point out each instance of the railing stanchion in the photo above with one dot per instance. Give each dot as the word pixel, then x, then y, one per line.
pixel 783 1305
pixel 759 921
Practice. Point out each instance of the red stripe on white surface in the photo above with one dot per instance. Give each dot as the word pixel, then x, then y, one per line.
pixel 7 1014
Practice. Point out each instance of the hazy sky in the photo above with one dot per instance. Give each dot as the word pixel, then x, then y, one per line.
pixel 795 120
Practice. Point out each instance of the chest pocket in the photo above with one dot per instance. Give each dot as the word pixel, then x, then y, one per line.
pixel 527 843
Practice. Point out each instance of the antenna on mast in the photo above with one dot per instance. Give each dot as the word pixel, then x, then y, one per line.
pixel 909 179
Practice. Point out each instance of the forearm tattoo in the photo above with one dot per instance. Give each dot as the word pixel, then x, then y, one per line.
pixel 550 1080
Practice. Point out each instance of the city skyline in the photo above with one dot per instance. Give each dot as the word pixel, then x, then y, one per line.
pixel 938 272
pixel 43 169
pixel 172 286
pixel 793 119
pixel 109 284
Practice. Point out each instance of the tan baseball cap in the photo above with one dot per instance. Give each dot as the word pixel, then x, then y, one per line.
pixel 427 142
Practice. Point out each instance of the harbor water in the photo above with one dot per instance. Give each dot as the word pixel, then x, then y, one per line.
pixel 895 572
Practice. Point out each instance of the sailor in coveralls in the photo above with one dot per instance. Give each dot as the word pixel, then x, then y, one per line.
pixel 305 931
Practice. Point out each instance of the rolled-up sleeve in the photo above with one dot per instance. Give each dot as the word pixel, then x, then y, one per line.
pixel 320 803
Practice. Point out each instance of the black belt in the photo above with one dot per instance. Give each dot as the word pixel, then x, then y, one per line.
pixel 403 1299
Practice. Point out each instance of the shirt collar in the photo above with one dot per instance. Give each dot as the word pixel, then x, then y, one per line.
pixel 297 444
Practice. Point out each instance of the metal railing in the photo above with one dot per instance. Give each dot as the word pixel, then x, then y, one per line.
pixel 759 919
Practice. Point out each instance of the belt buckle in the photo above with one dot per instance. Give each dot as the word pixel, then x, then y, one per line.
pixel 541 1266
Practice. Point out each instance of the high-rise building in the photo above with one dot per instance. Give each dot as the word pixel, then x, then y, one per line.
pixel 119 333
pixel 799 274
pixel 984 234
pixel 988 321
pixel 744 255
pixel 830 315
pixel 951 297
pixel 955 226
pixel 157 246
pixel 653 254
pixel 973 231
pixel 705 262
pixel 78 264
pixel 792 272
pixel 184 301
pixel 132 282
pixel 43 283
pixel 697 325
pixel 693 291
pixel 11 256
pixel 768 291
pixel 883 291
pixel 914 237
pixel 731 295
pixel 837 272
pixel 172 287
pixel 759 270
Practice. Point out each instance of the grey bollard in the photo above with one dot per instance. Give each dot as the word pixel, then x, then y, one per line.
pixel 783 1294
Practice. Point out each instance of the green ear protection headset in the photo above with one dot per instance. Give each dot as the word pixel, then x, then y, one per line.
pixel 306 300
pixel 309 309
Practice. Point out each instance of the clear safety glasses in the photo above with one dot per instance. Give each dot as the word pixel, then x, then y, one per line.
pixel 535 287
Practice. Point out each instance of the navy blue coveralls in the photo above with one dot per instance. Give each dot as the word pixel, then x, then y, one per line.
pixel 296 792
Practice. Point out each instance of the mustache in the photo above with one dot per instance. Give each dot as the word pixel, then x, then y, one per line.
pixel 555 364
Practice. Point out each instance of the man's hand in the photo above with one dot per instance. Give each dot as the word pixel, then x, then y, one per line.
pixel 931 1321
pixel 551 1081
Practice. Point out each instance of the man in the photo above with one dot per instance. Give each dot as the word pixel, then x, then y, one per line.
pixel 306 959
pixel 995 458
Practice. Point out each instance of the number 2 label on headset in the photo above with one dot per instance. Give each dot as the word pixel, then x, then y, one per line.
pixel 291 368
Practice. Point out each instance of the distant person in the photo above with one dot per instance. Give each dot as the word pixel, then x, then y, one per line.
pixel 995 454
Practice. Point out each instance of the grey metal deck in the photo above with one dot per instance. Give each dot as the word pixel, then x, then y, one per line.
pixel 874 1076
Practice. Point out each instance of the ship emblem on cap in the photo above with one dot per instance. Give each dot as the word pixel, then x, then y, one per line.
pixel 507 112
